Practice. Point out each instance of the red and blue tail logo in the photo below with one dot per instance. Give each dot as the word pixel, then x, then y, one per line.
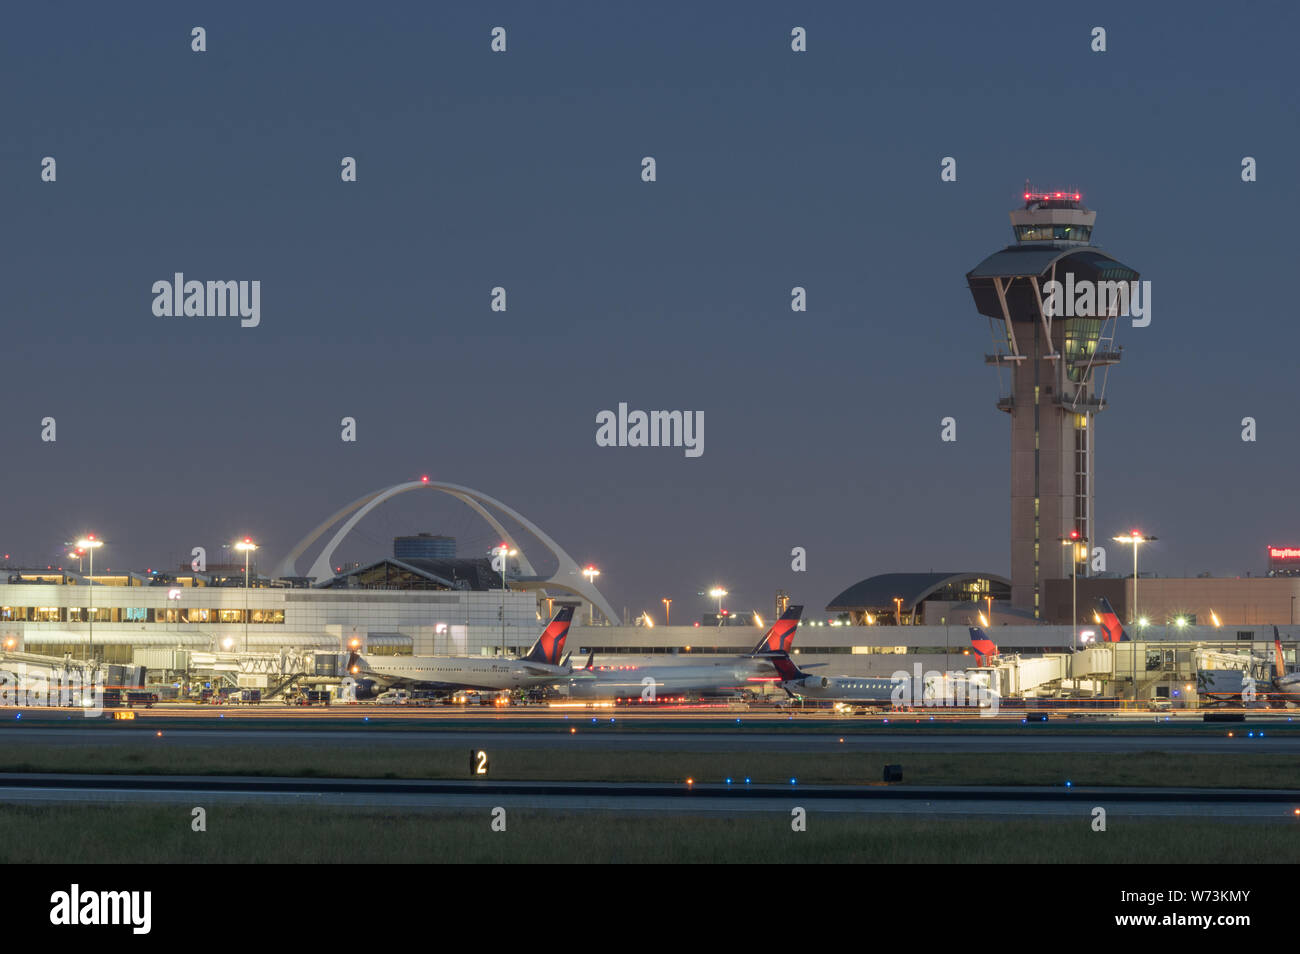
pixel 982 646
pixel 550 645
pixel 780 637
pixel 1110 624
pixel 786 668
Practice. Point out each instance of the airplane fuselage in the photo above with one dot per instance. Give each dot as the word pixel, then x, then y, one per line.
pixel 463 672
pixel 951 689
pixel 843 689
pixel 653 682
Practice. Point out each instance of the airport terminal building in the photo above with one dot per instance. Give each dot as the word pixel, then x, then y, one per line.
pixel 415 606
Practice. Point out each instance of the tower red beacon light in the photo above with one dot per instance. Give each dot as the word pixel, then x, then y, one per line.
pixel 1070 195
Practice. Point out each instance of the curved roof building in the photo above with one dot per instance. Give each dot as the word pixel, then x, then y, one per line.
pixel 920 598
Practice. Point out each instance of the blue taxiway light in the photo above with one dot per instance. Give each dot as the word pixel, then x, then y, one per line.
pixel 793 780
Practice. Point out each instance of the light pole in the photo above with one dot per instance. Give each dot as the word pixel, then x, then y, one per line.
pixel 1135 538
pixel 590 572
pixel 502 552
pixel 668 605
pixel 91 544
pixel 248 546
pixel 718 593
pixel 1072 540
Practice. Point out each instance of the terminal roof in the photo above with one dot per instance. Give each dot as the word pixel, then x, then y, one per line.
pixel 878 592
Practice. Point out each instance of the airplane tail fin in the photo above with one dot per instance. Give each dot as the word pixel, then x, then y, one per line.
pixel 780 638
pixel 786 668
pixel 550 645
pixel 591 662
pixel 1279 669
pixel 1110 623
pixel 356 664
pixel 981 645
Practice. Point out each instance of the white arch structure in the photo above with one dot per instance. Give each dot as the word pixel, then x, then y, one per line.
pixel 568 576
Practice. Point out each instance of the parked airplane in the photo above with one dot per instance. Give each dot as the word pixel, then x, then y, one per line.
pixel 983 647
pixel 865 689
pixel 931 688
pixel 725 675
pixel 1110 623
pixel 540 667
pixel 1286 686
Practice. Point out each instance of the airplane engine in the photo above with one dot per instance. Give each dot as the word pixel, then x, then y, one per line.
pixel 816 682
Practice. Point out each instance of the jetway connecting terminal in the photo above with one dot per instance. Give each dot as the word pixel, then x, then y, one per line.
pixel 1185 675
pixel 273 675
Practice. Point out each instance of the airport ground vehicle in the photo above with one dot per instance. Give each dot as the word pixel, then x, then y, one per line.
pixel 394 697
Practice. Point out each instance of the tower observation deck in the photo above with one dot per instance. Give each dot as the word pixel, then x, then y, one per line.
pixel 1053 346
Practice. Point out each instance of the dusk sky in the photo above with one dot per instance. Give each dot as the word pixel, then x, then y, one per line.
pixel 523 169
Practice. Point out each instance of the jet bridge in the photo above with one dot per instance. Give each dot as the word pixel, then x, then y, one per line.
pixel 1026 676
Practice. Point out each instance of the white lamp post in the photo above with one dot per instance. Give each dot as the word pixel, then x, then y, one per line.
pixel 248 546
pixel 718 593
pixel 1134 537
pixel 502 552
pixel 590 572
pixel 89 543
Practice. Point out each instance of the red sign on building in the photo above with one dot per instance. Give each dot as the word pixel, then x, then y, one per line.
pixel 1284 561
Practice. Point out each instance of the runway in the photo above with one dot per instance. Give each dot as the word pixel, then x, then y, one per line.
pixel 679 798
pixel 604 736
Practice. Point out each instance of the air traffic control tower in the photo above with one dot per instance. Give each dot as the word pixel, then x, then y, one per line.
pixel 1052 362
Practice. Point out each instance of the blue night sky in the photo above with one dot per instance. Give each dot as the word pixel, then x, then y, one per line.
pixel 522 169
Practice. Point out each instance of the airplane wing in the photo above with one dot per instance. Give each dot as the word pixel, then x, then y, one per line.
pixel 542 671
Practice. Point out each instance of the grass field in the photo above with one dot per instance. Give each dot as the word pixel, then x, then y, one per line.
pixel 1245 770
pixel 252 834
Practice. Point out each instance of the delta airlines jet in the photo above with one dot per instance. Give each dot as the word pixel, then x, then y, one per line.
pixel 1286 685
pixel 723 676
pixel 540 667
pixel 1110 624
pixel 877 691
